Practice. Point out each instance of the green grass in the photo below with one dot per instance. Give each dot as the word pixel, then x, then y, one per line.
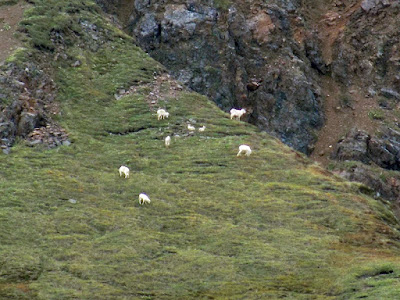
pixel 376 114
pixel 269 226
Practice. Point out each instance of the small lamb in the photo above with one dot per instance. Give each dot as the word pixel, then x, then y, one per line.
pixel 143 198
pixel 244 149
pixel 167 141
pixel 124 170
pixel 235 113
pixel 201 129
pixel 191 128
pixel 162 114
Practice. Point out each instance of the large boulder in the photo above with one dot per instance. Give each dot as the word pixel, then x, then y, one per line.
pixel 358 145
pixel 385 184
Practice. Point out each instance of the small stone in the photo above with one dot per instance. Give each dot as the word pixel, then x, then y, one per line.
pixel 76 64
pixel 73 201
pixel 252 86
pixel 19 83
pixel 321 153
pixel 66 143
pixel 34 142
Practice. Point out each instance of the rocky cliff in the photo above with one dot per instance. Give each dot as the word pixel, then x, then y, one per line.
pixel 248 54
pixel 297 66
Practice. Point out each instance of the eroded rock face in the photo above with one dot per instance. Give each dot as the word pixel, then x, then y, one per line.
pixel 242 54
pixel 367 53
pixel 358 145
pixel 386 186
pixel 27 103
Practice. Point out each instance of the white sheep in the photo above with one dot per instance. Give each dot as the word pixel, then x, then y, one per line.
pixel 162 114
pixel 191 128
pixel 124 170
pixel 236 113
pixel 244 149
pixel 167 141
pixel 143 198
pixel 201 129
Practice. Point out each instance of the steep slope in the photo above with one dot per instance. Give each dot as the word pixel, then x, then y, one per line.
pixel 239 53
pixel 309 72
pixel 268 226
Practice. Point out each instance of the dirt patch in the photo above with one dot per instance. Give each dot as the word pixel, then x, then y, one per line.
pixel 332 23
pixel 343 110
pixel 344 107
pixel 10 16
pixel 164 86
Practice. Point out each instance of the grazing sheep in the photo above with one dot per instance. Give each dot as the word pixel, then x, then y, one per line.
pixel 191 128
pixel 124 170
pixel 235 113
pixel 201 129
pixel 167 141
pixel 162 114
pixel 143 198
pixel 244 149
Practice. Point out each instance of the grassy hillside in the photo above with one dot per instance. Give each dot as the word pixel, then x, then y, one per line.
pixel 272 225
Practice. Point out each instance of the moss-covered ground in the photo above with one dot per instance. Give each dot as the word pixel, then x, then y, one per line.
pixel 272 225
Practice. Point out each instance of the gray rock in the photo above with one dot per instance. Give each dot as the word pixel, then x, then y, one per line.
pixel 76 64
pixel 360 146
pixel 148 26
pixel 368 5
pixel 389 93
pixel 66 143
pixel 387 186
pixel 73 201
pixel 314 54
pixel 28 121
pixel 141 4
pixel 353 147
pixel 34 142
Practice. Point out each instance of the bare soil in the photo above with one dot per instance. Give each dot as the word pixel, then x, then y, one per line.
pixel 10 16
pixel 340 118
pixel 344 107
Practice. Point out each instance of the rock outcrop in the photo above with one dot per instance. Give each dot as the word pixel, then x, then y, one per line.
pixel 367 52
pixel 358 145
pixel 383 184
pixel 240 54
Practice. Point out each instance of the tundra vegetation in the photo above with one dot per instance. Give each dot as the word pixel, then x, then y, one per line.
pixel 270 226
